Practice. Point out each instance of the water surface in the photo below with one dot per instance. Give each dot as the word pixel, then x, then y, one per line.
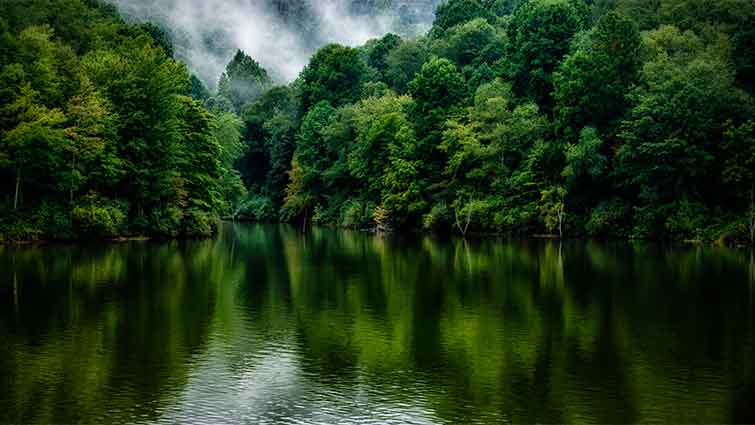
pixel 267 325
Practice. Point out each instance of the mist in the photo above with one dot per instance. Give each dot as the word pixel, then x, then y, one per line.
pixel 280 34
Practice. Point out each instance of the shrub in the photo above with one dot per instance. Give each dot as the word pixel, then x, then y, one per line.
pixel 97 217
pixel 439 217
pixel 608 219
pixel 55 220
pixel 199 223
pixel 687 220
pixel 258 208
pixel 166 222
pixel 356 214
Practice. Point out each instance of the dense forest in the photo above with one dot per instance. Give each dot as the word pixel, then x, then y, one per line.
pixel 604 118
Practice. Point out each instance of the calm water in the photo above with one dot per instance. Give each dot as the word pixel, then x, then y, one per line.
pixel 266 325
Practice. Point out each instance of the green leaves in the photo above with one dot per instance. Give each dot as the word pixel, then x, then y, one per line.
pixel 243 81
pixel 334 74
pixel 592 81
pixel 539 36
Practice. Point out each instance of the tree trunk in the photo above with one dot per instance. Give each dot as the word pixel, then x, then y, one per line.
pixel 464 229
pixel 18 186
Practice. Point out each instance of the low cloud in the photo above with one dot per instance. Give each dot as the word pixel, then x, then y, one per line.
pixel 280 34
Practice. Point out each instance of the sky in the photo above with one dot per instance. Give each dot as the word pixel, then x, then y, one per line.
pixel 208 32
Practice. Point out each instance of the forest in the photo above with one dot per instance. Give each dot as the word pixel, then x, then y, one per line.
pixel 629 119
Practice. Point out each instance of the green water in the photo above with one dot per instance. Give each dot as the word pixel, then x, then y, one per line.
pixel 267 325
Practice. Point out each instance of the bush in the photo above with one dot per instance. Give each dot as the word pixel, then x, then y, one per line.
pixel 56 220
pixel 647 221
pixel 96 217
pixel 608 219
pixel 687 220
pixel 258 208
pixel 166 222
pixel 199 223
pixel 356 214
pixel 439 218
pixel 14 227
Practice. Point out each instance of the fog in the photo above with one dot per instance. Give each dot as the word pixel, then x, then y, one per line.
pixel 280 34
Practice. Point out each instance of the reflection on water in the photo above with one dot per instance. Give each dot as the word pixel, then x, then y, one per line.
pixel 266 325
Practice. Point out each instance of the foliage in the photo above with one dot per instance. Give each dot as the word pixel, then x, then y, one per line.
pixel 243 81
pixel 591 83
pixel 97 136
pixel 539 36
pixel 334 74
pixel 607 118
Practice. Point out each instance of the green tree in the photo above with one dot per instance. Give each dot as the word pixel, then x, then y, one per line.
pixel 402 193
pixel 437 88
pixel 243 81
pixel 34 140
pixel 334 74
pixel 91 133
pixel 592 82
pixel 494 159
pixel 539 35
pixel 455 12
pixel 378 53
pixel 160 36
pixel 378 122
pixel 472 43
pixel 404 62
pixel 660 159
pixel 739 166
pixel 312 152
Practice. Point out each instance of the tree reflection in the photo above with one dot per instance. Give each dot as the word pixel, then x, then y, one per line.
pixel 281 325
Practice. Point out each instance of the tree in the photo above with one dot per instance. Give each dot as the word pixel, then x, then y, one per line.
pixel 378 54
pixel 243 81
pixel 539 36
pixel 455 12
pixel 35 138
pixel 739 166
pixel 437 87
pixel 661 160
pixel 334 74
pixel 90 134
pixel 196 187
pixel 403 63
pixel 472 43
pixel 584 159
pixel 144 88
pixel 553 209
pixel 226 129
pixel 38 55
pixel 378 122
pixel 312 154
pixel 592 82
pixel 402 193
pixel 298 201
pixel 160 37
pixel 493 159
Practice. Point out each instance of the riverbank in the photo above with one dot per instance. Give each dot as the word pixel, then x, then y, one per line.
pixel 728 240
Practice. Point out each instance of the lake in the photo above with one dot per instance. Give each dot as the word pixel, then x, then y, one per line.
pixel 264 324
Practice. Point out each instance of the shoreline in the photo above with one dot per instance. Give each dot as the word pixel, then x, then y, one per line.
pixel 721 242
